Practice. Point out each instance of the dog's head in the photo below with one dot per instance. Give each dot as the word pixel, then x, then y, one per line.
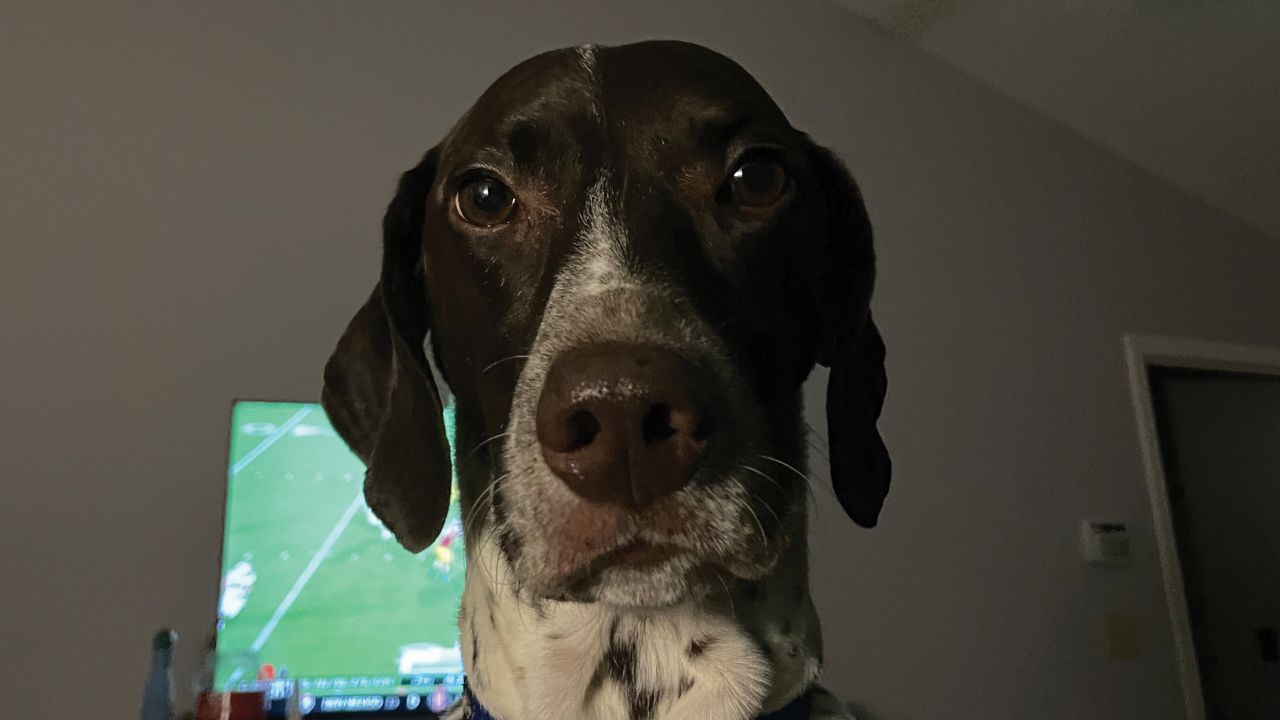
pixel 628 262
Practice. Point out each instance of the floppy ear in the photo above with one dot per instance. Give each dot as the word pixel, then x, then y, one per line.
pixel 850 345
pixel 378 388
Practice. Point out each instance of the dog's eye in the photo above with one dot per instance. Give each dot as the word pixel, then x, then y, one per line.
pixel 485 201
pixel 758 183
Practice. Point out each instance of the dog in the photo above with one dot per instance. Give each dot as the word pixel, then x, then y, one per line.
pixel 626 262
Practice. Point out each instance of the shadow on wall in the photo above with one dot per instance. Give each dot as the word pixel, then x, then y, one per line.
pixel 861 713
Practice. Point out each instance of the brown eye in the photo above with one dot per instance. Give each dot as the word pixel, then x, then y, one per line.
pixel 758 183
pixel 485 201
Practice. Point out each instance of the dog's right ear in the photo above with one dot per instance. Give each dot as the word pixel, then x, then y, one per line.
pixel 851 345
pixel 379 392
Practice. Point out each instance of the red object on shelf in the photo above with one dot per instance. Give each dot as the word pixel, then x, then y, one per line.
pixel 231 706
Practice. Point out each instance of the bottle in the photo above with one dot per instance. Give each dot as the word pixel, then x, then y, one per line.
pixel 203 681
pixel 292 708
pixel 157 696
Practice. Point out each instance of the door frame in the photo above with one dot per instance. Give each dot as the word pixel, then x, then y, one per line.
pixel 1143 352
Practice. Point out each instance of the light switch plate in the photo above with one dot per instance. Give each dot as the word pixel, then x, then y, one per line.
pixel 1105 543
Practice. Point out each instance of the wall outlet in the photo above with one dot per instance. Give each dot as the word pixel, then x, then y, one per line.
pixel 1122 636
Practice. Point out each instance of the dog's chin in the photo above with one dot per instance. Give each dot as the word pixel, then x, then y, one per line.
pixel 669 581
pixel 644 582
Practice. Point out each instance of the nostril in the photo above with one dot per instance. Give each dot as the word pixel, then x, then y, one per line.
pixel 657 425
pixel 664 420
pixel 583 429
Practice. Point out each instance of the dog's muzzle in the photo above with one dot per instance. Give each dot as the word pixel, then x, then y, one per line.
pixel 625 424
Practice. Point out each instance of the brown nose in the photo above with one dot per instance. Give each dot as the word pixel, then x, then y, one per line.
pixel 622 424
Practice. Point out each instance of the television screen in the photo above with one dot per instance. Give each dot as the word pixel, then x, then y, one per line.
pixel 316 590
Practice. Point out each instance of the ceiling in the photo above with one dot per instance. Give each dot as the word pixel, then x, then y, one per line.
pixel 1187 89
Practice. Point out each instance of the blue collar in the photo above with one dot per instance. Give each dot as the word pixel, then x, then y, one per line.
pixel 798 709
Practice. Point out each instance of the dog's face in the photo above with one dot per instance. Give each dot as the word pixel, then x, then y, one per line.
pixel 628 262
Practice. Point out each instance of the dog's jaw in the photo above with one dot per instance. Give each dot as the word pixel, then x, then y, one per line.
pixel 746 649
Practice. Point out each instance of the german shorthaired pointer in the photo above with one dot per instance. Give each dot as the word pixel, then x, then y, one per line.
pixel 627 261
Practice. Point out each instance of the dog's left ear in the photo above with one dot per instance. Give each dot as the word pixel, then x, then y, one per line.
pixel 850 343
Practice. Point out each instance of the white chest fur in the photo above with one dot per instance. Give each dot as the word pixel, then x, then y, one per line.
pixel 733 656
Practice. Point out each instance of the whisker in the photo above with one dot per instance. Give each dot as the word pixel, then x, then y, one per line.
pixel 486 441
pixel 766 476
pixel 764 539
pixel 762 474
pixel 772 512
pixel 485 497
pixel 728 595
pixel 786 465
pixel 496 363
pixel 519 602
pixel 813 432
pixel 817 450
pixel 777 518
pixel 498 564
pixel 483 568
pixel 489 575
pixel 808 483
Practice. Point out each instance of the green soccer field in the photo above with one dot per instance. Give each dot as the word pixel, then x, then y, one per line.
pixel 330 595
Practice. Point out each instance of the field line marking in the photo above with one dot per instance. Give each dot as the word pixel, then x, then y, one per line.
pixel 270 440
pixel 305 577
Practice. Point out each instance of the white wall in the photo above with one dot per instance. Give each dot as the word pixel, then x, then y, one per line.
pixel 1188 90
pixel 189 206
